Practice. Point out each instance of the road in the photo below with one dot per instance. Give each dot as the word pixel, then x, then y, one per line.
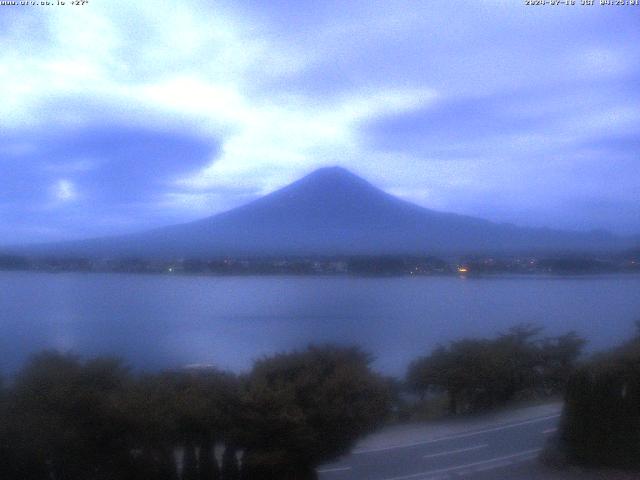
pixel 496 451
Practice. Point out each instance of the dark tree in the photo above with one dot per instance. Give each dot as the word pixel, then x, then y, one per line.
pixel 208 465
pixel 478 374
pixel 189 463
pixel 559 359
pixel 7 459
pixel 601 421
pixel 186 408
pixel 305 408
pixel 66 424
pixel 148 404
pixel 230 468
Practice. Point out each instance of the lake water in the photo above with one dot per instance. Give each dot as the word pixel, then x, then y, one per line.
pixel 159 321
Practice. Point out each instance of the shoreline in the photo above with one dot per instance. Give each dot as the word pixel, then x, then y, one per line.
pixel 467 276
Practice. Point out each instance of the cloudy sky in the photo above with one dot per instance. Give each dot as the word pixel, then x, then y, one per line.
pixel 123 115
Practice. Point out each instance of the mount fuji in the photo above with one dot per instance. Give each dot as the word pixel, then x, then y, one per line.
pixel 334 212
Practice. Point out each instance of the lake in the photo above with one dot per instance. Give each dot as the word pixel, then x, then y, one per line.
pixel 155 321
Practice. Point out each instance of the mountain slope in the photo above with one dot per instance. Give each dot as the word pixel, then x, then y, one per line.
pixel 332 211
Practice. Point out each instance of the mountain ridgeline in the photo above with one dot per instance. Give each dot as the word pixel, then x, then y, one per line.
pixel 334 212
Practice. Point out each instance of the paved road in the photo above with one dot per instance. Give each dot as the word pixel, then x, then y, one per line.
pixel 496 451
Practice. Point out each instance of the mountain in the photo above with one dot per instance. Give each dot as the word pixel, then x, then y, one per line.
pixel 332 211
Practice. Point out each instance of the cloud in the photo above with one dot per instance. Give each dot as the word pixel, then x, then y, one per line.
pixel 521 121
pixel 97 171
pixel 154 114
pixel 65 191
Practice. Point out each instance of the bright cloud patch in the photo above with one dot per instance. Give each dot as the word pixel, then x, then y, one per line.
pixel 65 191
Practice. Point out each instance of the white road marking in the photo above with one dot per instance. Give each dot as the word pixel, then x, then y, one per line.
pixel 493 466
pixel 456 436
pixel 496 462
pixel 549 430
pixel 459 473
pixel 336 469
pixel 459 450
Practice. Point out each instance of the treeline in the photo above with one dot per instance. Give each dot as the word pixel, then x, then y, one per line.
pixel 64 418
pixel 385 265
pixel 361 265
pixel 601 420
pixel 480 374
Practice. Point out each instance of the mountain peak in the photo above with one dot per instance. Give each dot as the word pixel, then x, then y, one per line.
pixel 331 179
pixel 332 171
pixel 326 196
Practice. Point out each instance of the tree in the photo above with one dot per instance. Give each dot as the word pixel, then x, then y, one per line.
pixel 230 470
pixel 65 421
pixel 148 406
pixel 206 401
pixel 470 371
pixel 7 459
pixel 478 374
pixel 208 465
pixel 516 362
pixel 601 418
pixel 70 419
pixel 559 359
pixel 305 408
pixel 190 409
